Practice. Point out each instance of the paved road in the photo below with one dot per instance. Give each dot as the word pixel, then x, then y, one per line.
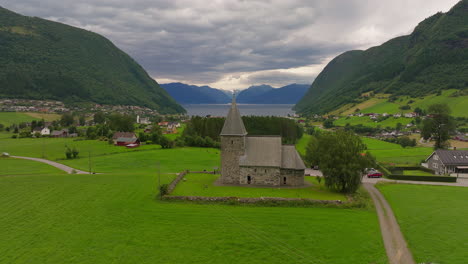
pixel 461 182
pixel 57 165
pixel 395 244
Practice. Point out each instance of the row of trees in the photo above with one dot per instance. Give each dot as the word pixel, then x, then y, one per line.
pixel 201 128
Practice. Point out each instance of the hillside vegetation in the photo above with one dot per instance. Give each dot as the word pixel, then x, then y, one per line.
pixel 432 58
pixel 41 59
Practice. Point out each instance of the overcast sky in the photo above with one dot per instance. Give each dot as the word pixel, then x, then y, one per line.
pixel 235 44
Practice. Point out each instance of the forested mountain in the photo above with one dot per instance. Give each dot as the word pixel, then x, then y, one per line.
pixel 192 94
pixel 41 59
pixel 289 94
pixel 432 58
pixel 246 96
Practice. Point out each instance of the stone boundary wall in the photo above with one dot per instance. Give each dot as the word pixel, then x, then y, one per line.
pixel 248 200
pixel 174 182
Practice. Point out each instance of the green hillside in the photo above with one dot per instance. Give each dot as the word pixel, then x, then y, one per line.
pixel 41 59
pixel 432 58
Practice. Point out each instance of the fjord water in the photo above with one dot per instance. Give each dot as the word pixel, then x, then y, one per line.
pixel 244 109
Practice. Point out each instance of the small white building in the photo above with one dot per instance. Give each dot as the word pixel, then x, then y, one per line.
pixel 44 131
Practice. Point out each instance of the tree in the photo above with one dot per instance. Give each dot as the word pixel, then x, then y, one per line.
pixel 328 123
pixel 399 126
pixel 341 159
pixel 66 119
pixel 120 122
pixel 438 125
pixel 99 118
pixel 82 120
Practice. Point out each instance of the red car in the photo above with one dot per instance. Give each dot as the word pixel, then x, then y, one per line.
pixel 374 174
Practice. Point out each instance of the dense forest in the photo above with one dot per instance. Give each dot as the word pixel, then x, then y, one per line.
pixel 256 125
pixel 433 57
pixel 41 59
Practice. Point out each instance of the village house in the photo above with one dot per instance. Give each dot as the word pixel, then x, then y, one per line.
pixel 411 115
pixel 60 133
pixel 257 160
pixel 448 161
pixel 44 131
pixel 124 138
pixel 143 120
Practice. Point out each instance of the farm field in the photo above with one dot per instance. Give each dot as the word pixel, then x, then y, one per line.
pixel 202 185
pixel 115 218
pixel 9 118
pixel 387 152
pixel 381 105
pixel 366 121
pixel 180 130
pixel 11 166
pixel 432 219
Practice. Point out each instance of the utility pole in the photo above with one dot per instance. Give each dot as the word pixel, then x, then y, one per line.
pixel 158 164
pixel 89 161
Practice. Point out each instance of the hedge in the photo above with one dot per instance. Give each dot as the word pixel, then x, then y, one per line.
pixel 422 178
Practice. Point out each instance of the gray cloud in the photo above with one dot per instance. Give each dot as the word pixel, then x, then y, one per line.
pixel 201 41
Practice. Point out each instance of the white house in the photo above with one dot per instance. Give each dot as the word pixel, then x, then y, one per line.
pixel 44 131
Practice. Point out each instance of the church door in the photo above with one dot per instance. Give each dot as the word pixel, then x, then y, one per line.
pixel 249 179
pixel 284 180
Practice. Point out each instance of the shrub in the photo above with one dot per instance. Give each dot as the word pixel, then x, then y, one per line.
pixel 68 153
pixel 75 152
pixel 163 189
pixel 14 136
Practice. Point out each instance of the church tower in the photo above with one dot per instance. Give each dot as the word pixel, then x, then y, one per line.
pixel 232 145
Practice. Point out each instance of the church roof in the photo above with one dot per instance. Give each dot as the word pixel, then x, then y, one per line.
pixel 262 151
pixel 233 126
pixel 290 158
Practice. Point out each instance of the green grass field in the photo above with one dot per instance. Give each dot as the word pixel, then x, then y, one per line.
pixel 202 185
pixel 302 144
pixel 417 173
pixel 115 218
pixel 366 121
pixel 180 130
pixel 433 220
pixel 386 152
pixel 11 166
pixel 9 118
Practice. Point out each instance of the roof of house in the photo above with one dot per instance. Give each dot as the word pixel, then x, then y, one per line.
pixel 127 139
pixel 38 129
pixel 451 157
pixel 262 151
pixel 291 159
pixel 58 132
pixel 124 135
pixel 233 126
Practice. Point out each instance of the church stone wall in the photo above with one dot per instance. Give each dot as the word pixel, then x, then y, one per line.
pixel 260 175
pixel 293 177
pixel 232 147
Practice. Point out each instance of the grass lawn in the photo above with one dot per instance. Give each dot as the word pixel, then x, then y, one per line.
pixel 9 118
pixel 386 152
pixel 433 219
pixel 11 166
pixel 171 160
pixel 180 130
pixel 202 185
pixel 302 144
pixel 114 218
pixel 417 173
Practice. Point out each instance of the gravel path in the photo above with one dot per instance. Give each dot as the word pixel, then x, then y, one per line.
pixel 57 165
pixel 395 244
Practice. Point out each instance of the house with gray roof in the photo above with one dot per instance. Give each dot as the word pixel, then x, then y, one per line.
pixel 444 161
pixel 256 160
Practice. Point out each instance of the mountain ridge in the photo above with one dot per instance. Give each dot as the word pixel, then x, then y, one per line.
pixel 432 58
pixel 42 59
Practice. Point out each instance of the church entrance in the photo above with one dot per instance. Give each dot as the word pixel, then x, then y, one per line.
pixel 284 180
pixel 249 179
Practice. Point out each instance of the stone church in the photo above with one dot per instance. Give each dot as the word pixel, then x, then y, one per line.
pixel 256 160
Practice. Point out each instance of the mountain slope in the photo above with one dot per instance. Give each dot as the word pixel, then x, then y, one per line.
pixel 41 59
pixel 432 58
pixel 247 96
pixel 289 94
pixel 192 94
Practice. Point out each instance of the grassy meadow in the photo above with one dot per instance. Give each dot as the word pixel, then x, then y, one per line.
pixel 203 185
pixel 433 220
pixel 387 152
pixel 11 166
pixel 366 121
pixel 115 218
pixel 9 118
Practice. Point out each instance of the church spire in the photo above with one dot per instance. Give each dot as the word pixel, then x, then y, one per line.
pixel 233 126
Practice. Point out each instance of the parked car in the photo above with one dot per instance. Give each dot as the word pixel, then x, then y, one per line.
pixel 374 174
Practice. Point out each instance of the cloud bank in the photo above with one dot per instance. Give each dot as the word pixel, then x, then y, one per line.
pixel 232 44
